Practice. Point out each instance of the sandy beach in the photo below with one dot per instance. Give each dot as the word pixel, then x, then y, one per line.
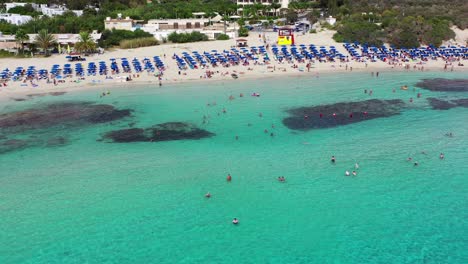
pixel 171 73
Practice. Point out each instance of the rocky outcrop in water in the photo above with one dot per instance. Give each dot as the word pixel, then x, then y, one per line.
pixel 63 114
pixel 444 85
pixel 338 114
pixel 161 132
pixel 30 96
pixel 439 104
pixel 12 144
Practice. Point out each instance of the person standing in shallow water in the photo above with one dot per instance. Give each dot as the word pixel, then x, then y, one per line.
pixel 228 178
pixel 333 159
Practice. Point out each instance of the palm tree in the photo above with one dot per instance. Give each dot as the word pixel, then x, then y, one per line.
pixel 45 40
pixel 21 37
pixel 86 43
pixel 275 6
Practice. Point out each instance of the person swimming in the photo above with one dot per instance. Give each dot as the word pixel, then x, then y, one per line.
pixel 272 135
pixel 441 156
pixel 207 195
pixel 356 166
pixel 346 173
pixel 416 163
pixel 409 159
pixel 229 178
pixel 235 221
pixel 354 173
pixel 333 159
pixel 281 179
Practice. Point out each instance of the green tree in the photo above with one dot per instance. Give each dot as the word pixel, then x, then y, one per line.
pixel 21 37
pixel 45 40
pixel 291 16
pixel 85 43
pixel 243 32
pixel 23 10
pixel 361 31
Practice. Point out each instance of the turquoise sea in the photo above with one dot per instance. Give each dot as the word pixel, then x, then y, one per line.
pixel 96 202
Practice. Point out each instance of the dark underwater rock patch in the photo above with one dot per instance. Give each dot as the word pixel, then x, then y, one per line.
pixel 444 85
pixel 30 96
pixel 56 141
pixel 64 114
pixel 306 118
pixel 439 104
pixel 127 135
pixel 44 94
pixel 12 145
pixel 161 132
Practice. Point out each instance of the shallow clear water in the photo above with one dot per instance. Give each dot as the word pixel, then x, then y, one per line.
pixel 96 202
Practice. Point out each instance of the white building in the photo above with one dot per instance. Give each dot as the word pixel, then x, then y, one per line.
pixel 15 19
pixel 119 23
pixel 52 10
pixel 56 10
pixel 243 3
pixel 284 3
pixel 8 42
pixel 161 28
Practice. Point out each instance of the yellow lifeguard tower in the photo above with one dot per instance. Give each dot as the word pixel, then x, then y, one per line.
pixel 285 36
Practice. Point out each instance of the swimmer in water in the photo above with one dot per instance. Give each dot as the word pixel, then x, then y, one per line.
pixel 260 115
pixel 409 159
pixel 265 131
pixel 416 163
pixel 207 195
pixel 441 156
pixel 237 137
pixel 354 173
pixel 235 221
pixel 241 95
pixel 333 159
pixel 224 110
pixel 229 178
pixel 346 173
pixel 356 166
pixel 271 134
